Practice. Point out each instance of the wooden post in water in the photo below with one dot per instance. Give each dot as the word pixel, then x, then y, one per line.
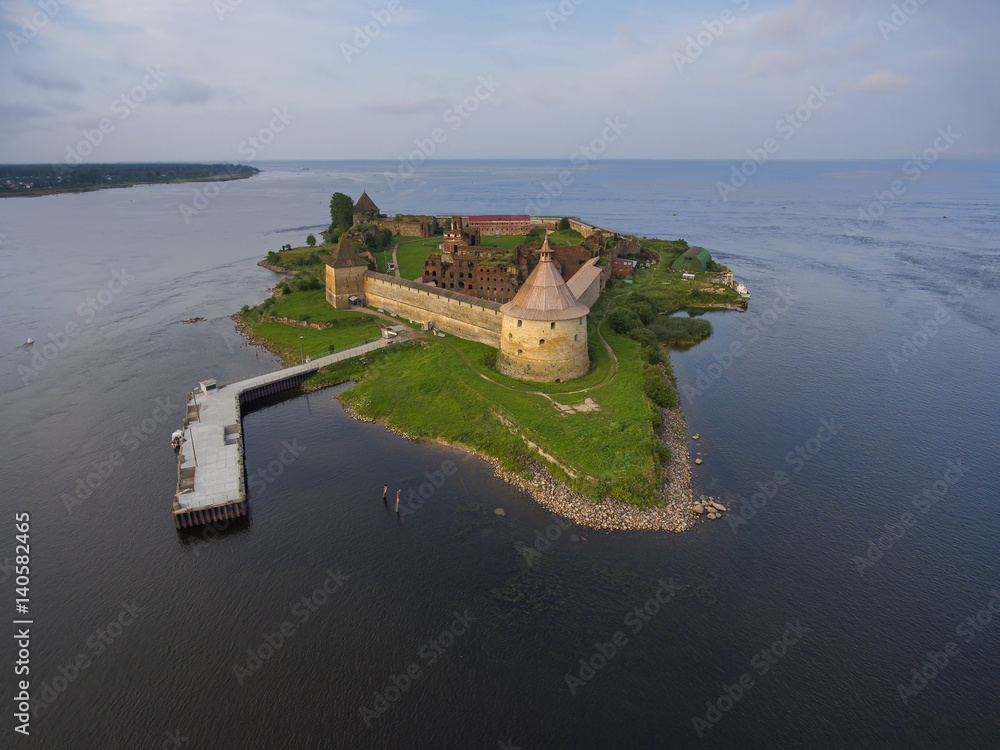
pixel 385 491
pixel 397 502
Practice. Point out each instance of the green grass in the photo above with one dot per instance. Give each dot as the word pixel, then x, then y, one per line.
pixel 412 253
pixel 284 340
pixel 612 451
pixel 312 307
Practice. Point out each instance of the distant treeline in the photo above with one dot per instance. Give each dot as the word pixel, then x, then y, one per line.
pixel 43 178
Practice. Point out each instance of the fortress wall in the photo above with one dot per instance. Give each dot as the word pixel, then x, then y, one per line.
pixel 458 314
pixel 588 283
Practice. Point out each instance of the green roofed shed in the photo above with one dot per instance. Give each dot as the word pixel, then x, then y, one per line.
pixel 694 260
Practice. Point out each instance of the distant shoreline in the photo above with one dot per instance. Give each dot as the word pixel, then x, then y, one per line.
pixel 39 192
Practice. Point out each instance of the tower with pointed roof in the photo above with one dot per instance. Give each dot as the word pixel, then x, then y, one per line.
pixel 543 334
pixel 365 209
pixel 345 276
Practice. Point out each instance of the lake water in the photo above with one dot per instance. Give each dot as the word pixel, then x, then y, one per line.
pixel 865 372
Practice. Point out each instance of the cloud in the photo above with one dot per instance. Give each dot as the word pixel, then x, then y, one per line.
pixel 405 107
pixel 48 81
pixel 187 91
pixel 882 82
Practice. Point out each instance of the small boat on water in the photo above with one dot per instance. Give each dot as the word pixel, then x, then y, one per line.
pixel 741 289
pixel 29 342
pixel 176 439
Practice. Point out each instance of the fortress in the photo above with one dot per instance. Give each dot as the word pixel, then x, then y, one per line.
pixel 541 333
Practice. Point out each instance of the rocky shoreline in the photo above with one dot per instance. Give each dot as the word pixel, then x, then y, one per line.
pixel 679 511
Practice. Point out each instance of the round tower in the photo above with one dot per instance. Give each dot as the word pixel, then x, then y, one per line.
pixel 543 333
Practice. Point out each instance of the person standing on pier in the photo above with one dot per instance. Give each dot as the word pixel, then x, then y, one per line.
pixel 397 502
pixel 385 491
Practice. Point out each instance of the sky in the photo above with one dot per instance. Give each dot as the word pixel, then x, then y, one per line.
pixel 261 80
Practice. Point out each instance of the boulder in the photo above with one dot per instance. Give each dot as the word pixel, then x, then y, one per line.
pixel 698 508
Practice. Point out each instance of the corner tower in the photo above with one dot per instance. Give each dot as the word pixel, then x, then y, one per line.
pixel 345 275
pixel 543 334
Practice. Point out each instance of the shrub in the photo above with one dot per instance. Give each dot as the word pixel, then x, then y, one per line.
pixel 656 387
pixel 489 359
pixel 644 309
pixel 651 355
pixel 644 336
pixel 564 223
pixel 681 330
pixel 622 321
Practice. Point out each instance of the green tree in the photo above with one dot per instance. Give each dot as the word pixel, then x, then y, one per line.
pixel 384 238
pixel 341 210
pixel 564 223
pixel 311 240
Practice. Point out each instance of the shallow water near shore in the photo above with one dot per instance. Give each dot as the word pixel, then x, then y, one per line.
pixel 493 610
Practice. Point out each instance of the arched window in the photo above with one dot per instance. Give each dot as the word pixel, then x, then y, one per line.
pixel 552 326
pixel 461 285
pixel 576 337
pixel 541 342
pixel 519 324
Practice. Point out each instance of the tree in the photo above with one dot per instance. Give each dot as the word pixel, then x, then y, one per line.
pixel 341 210
pixel 384 238
pixel 564 223
pixel 311 240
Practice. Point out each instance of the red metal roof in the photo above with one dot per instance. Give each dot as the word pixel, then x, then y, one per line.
pixel 500 217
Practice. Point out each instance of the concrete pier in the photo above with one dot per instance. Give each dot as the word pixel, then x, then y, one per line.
pixel 211 481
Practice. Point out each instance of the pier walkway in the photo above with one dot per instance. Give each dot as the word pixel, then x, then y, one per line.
pixel 210 471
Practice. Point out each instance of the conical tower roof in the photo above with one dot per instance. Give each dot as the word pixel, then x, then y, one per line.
pixel 545 296
pixel 365 204
pixel 344 256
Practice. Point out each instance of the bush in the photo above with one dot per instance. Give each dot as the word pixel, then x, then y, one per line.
pixel 656 387
pixel 651 355
pixel 489 359
pixel 643 336
pixel 564 223
pixel 681 330
pixel 644 309
pixel 622 321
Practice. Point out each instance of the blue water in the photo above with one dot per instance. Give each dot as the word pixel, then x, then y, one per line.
pixel 869 346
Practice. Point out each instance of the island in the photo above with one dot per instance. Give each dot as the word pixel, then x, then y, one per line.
pixel 537 343
pixel 29 180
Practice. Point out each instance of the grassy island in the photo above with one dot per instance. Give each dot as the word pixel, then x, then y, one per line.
pixel 28 180
pixel 601 434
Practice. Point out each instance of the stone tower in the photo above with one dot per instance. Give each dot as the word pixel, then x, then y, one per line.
pixel 345 276
pixel 543 334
